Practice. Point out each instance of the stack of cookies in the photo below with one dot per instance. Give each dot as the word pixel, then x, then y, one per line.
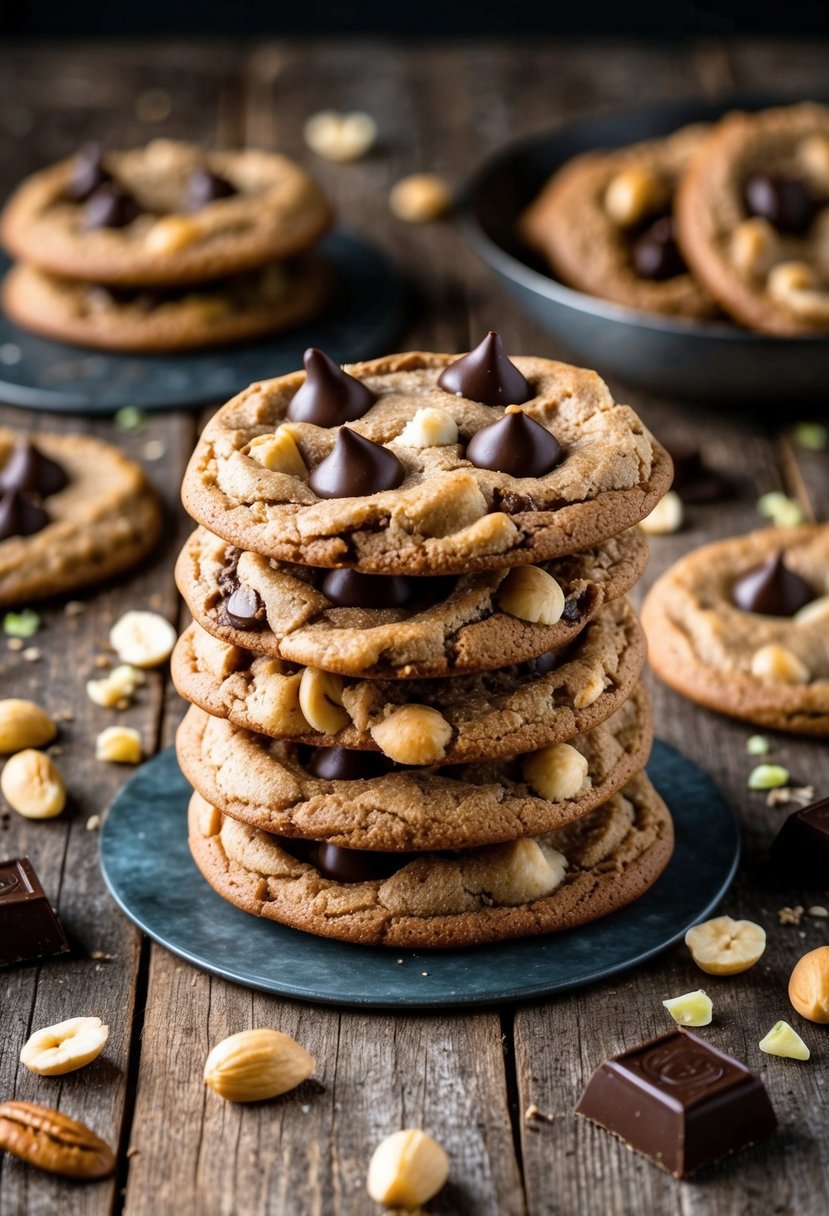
pixel 165 248
pixel 416 717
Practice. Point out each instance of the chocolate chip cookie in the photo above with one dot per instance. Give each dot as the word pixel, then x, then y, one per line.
pixel 605 223
pixel 742 626
pixel 446 464
pixel 753 218
pixel 581 872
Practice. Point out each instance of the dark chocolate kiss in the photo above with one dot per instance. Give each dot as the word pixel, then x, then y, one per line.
pixel 204 187
pixel 87 173
pixel 110 207
pixel 342 764
pixel 486 375
pixel 329 395
pixel 351 589
pixel 786 202
pixel 771 589
pixel 20 515
pixel 656 254
pixel 243 607
pixel 356 865
pixel 515 444
pixel 355 467
pixel 27 469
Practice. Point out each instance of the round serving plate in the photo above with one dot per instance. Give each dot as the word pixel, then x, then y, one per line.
pixel 151 875
pixel 363 320
pixel 716 362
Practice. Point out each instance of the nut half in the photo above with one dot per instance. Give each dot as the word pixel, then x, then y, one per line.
pixel 52 1141
pixel 64 1047
pixel 256 1064
pixel 407 1169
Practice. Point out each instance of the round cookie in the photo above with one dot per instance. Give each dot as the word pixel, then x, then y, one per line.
pixel 268 785
pixel 438 513
pixel 584 871
pixel 239 309
pixel 276 210
pixel 442 627
pixel 94 517
pixel 422 722
pixel 753 218
pixel 603 222
pixel 772 670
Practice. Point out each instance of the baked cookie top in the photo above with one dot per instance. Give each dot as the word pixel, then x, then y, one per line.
pixel 167 213
pixel 742 626
pixel 392 626
pixel 424 480
pixel 73 511
pixel 421 722
pixel 605 223
pixel 245 306
pixel 753 218
pixel 358 800
pixel 583 871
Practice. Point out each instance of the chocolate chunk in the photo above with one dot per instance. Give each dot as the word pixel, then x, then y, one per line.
pixel 29 929
pixel 800 851
pixel 771 589
pixel 343 764
pixel 356 865
pixel 87 173
pixel 486 375
pixel 515 444
pixel 329 395
pixel 693 480
pixel 205 187
pixel 356 467
pixel 28 470
pixel 679 1102
pixel 20 515
pixel 785 202
pixel 110 207
pixel 656 254
pixel 243 608
pixel 351 589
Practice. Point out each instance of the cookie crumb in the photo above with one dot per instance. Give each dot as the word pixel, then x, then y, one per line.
pixel 15 643
pixel 533 1114
pixel 790 916
pixel 93 823
pixel 102 956
pixel 74 607
pixel 31 654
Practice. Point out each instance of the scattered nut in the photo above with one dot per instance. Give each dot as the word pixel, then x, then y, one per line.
pixel 64 1047
pixel 52 1141
pixel 723 946
pixel 24 724
pixel 93 823
pixel 407 1169
pixel 171 233
pixel 782 1040
pixel 340 137
pixel 790 916
pixel 801 795
pixel 667 516
pixel 32 785
pixel 809 985
pixel 691 1009
pixel 767 777
pixel 557 773
pixel 142 639
pixel 776 664
pixel 420 199
pixel 632 194
pixel 256 1064
pixel 279 453
pixel 431 427
pixel 119 744
pixel 321 701
pixel 116 687
pixel 413 734
pixel 531 594
pixel 818 911
pixel 758 745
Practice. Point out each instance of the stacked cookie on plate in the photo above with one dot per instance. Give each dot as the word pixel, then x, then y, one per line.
pixel 416 715
pixel 166 247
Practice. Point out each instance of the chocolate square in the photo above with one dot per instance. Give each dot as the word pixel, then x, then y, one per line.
pixel 800 850
pixel 29 929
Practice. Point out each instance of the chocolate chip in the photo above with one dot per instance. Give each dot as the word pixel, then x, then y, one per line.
pixel 329 395
pixel 515 444
pixel 771 589
pixel 205 187
pixel 356 865
pixel 20 515
pixel 351 589
pixel 656 254
pixel 87 173
pixel 356 467
pixel 784 201
pixel 28 470
pixel 486 375
pixel 110 207
pixel 243 607
pixel 341 764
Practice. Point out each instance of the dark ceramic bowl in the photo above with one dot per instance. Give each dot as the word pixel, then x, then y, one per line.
pixel 712 361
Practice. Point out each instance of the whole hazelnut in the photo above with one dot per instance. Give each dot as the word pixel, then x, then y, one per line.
pixel 809 985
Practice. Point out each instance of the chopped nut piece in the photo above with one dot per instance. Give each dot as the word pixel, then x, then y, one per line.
pixel 256 1064
pixel 801 795
pixel 407 1169
pixel 667 516
pixel 115 690
pixel 64 1047
pixel 809 985
pixel 431 427
pixel 171 233
pixel 591 692
pixel 782 1040
pixel 790 916
pixel 321 701
pixel 32 785
pixel 783 511
pixel 723 946
pixel 691 1009
pixel 340 137
pixel 93 823
pixel 142 639
pixel 758 745
pixel 776 664
pixel 119 744
pixel 420 198
pixel 767 777
pixel 533 1114
pixel 279 452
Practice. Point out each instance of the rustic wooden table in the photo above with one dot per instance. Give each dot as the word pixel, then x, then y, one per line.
pixel 467 1077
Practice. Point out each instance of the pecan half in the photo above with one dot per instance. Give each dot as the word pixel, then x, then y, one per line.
pixel 52 1141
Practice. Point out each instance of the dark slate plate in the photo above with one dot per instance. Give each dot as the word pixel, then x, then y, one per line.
pixel 149 871
pixel 362 321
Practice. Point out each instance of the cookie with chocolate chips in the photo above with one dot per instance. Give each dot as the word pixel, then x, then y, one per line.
pixel 742 626
pixel 420 478
pixel 73 511
pixel 605 224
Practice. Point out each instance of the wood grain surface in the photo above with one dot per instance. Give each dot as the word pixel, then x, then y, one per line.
pixel 467 1078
